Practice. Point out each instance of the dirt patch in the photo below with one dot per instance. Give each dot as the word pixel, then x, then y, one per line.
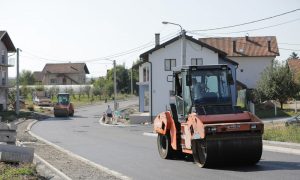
pixel 72 167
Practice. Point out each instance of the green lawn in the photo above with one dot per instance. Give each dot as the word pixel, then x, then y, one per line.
pixel 22 171
pixel 8 116
pixel 263 112
pixel 282 133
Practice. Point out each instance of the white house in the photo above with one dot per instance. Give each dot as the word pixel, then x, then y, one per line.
pixel 6 46
pixel 158 63
pixel 254 55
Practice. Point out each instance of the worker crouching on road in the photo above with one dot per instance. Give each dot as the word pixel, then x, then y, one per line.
pixel 109 116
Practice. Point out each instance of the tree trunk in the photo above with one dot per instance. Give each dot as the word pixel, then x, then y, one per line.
pixel 281 105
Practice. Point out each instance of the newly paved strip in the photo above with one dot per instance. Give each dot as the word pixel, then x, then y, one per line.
pixel 128 151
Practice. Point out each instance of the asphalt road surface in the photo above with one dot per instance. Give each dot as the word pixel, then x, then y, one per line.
pixel 126 150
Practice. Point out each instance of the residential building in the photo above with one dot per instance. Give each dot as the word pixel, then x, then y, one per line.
pixel 6 47
pixel 253 54
pixel 62 74
pixel 294 65
pixel 157 65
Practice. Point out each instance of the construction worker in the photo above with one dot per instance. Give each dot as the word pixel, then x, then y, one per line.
pixel 109 116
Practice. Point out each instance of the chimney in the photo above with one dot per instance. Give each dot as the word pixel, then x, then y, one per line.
pixel 234 45
pixel 247 37
pixel 157 39
pixel 269 44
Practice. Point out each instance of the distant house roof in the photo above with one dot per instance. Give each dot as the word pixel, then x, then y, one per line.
pixel 265 46
pixel 38 75
pixel 66 68
pixel 145 55
pixel 4 37
pixel 294 65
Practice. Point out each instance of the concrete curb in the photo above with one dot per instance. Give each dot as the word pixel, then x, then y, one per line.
pixel 116 125
pixel 281 150
pixel 281 143
pixel 38 159
pixel 54 173
pixel 100 167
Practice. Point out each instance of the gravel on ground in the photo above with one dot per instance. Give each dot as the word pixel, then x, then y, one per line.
pixel 70 166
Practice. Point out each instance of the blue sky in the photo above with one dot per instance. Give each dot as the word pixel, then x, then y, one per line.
pixel 52 31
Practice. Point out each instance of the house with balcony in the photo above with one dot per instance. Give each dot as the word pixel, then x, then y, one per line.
pixel 6 47
pixel 62 74
pixel 247 57
pixel 157 64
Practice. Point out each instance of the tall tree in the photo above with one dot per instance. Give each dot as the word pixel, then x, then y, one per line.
pixel 294 56
pixel 27 78
pixel 277 83
pixel 123 79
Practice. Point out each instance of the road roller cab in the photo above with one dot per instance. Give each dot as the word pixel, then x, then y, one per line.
pixel 63 107
pixel 204 122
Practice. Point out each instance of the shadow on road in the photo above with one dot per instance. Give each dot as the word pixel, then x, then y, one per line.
pixel 58 119
pixel 264 166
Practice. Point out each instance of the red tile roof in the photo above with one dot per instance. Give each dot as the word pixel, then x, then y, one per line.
pixel 294 65
pixel 38 75
pixel 66 68
pixel 245 46
pixel 4 37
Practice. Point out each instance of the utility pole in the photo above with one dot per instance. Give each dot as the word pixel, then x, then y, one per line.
pixel 115 86
pixel 183 47
pixel 131 81
pixel 17 84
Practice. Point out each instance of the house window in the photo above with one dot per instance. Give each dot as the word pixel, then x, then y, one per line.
pixel 3 57
pixel 64 80
pixel 144 74
pixel 169 63
pixel 196 61
pixel 3 73
pixel 53 81
pixel 147 72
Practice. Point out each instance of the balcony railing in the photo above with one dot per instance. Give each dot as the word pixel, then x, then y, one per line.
pixel 7 62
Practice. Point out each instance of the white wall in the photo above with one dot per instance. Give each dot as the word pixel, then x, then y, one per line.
pixel 3 90
pixel 161 87
pixel 252 68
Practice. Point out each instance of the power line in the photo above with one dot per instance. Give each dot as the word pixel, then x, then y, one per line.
pixel 139 48
pixel 256 29
pixel 130 51
pixel 42 58
pixel 292 44
pixel 246 23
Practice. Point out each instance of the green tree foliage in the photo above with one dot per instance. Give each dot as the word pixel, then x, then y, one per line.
pixel 294 56
pixel 87 90
pixel 11 97
pixel 104 86
pixel 26 78
pixel 123 79
pixel 53 91
pixel 277 83
pixel 24 91
pixel 135 77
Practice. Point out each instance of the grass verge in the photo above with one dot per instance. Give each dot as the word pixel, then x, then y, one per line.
pixel 22 171
pixel 282 133
pixel 8 116
pixel 263 112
